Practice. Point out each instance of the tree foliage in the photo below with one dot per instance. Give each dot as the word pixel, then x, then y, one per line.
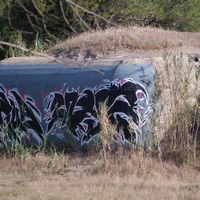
pixel 40 23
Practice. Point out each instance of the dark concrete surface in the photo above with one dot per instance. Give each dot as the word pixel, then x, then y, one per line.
pixel 36 100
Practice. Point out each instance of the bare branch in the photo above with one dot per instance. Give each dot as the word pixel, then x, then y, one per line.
pixel 43 55
pixel 28 11
pixel 64 16
pixel 11 25
pixel 56 17
pixel 90 12
pixel 38 10
pixel 34 27
pixel 9 19
pixel 45 28
pixel 96 21
pixel 26 50
pixel 40 13
pixel 1 47
pixel 81 19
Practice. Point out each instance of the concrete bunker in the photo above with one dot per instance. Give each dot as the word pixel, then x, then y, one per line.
pixel 58 102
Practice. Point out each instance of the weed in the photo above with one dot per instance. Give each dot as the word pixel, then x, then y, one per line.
pixel 39 43
pixel 107 131
pixel 179 86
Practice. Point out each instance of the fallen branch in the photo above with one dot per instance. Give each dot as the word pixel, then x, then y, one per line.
pixel 29 51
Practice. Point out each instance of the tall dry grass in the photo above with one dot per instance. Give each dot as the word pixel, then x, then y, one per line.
pixel 178 123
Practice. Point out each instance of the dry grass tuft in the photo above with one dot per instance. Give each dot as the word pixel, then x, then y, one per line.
pixel 178 122
pixel 122 39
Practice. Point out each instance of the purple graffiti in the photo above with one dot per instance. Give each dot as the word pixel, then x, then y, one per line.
pixel 127 104
pixel 75 112
pixel 20 119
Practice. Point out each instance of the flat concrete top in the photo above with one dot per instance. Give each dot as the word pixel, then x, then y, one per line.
pixel 136 57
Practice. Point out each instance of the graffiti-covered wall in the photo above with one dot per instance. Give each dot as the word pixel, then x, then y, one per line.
pixel 60 103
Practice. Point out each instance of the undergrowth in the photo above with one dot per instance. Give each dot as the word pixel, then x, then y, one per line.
pixel 178 83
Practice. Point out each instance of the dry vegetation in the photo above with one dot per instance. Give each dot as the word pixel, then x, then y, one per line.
pixel 171 170
pixel 78 176
pixel 124 39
